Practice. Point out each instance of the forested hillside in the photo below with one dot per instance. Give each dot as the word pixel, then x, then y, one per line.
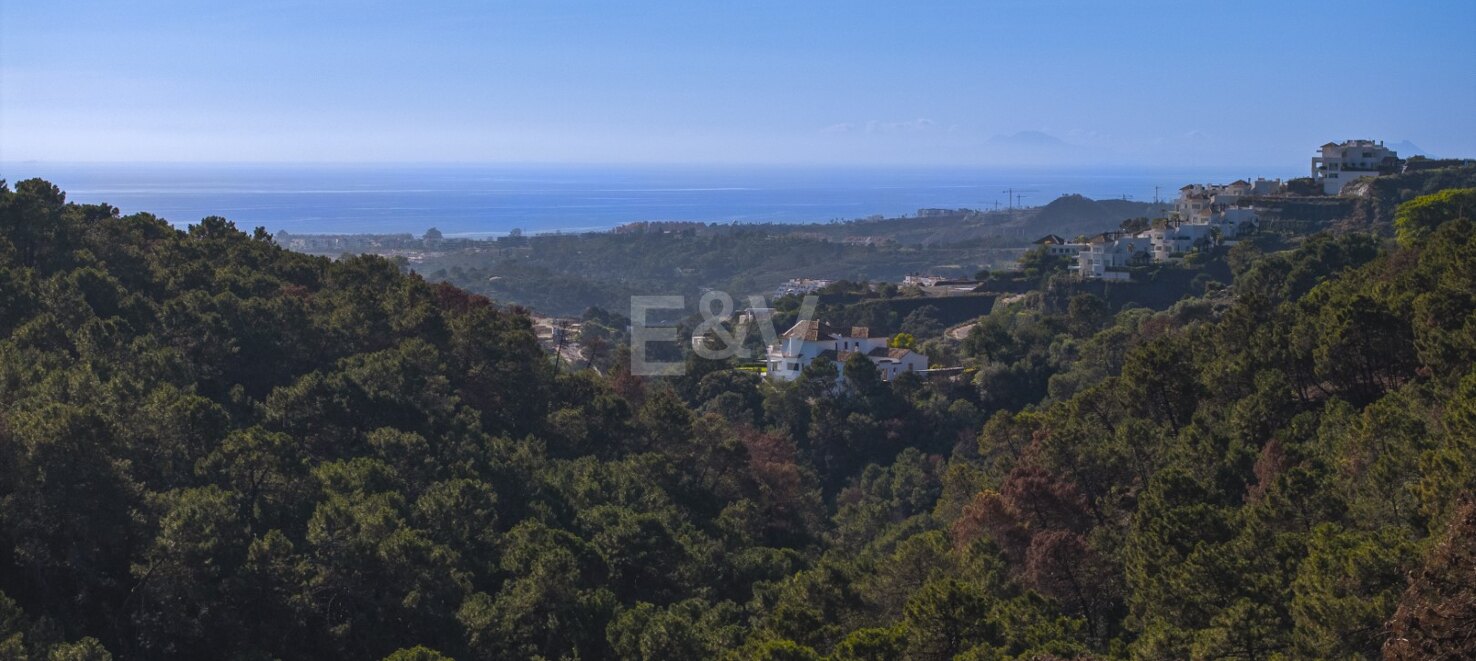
pixel 211 447
pixel 566 274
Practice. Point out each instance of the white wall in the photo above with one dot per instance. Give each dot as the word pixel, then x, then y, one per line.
pixel 1333 182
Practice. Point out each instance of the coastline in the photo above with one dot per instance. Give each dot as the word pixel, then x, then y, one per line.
pixel 491 200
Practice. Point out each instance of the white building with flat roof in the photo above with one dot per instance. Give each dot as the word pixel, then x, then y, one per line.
pixel 1200 203
pixel 1338 165
pixel 1263 186
pixel 1173 240
pixel 1108 255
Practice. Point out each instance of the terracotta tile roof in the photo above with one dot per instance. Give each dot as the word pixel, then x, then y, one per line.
pixel 810 330
pixel 889 354
pixel 816 330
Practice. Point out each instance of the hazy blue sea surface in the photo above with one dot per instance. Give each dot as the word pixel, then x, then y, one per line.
pixel 493 199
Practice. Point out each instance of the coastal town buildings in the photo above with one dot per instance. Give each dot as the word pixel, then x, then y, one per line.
pixel 942 213
pixel 801 286
pixel 1206 215
pixel 807 340
pixel 1108 256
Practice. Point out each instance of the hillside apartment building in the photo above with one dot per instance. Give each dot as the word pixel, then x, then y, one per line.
pixel 1107 256
pixel 1342 164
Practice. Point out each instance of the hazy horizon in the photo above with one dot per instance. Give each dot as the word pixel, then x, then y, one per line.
pixel 1018 84
pixel 716 165
pixel 477 199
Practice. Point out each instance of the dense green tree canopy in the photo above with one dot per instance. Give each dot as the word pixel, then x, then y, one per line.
pixel 211 447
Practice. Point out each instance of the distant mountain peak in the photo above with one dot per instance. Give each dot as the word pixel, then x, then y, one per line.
pixel 1406 149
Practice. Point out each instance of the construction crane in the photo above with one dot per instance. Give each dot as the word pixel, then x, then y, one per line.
pixel 1014 195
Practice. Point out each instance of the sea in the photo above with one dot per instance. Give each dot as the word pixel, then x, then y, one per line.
pixel 492 200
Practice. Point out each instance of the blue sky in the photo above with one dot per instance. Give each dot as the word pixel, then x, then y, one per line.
pixel 905 83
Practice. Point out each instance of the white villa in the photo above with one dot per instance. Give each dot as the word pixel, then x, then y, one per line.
pixel 1058 247
pixel 1232 222
pixel 807 340
pixel 1343 164
pixel 1171 240
pixel 1107 255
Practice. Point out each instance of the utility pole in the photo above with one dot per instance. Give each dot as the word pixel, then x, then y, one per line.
pixel 556 326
